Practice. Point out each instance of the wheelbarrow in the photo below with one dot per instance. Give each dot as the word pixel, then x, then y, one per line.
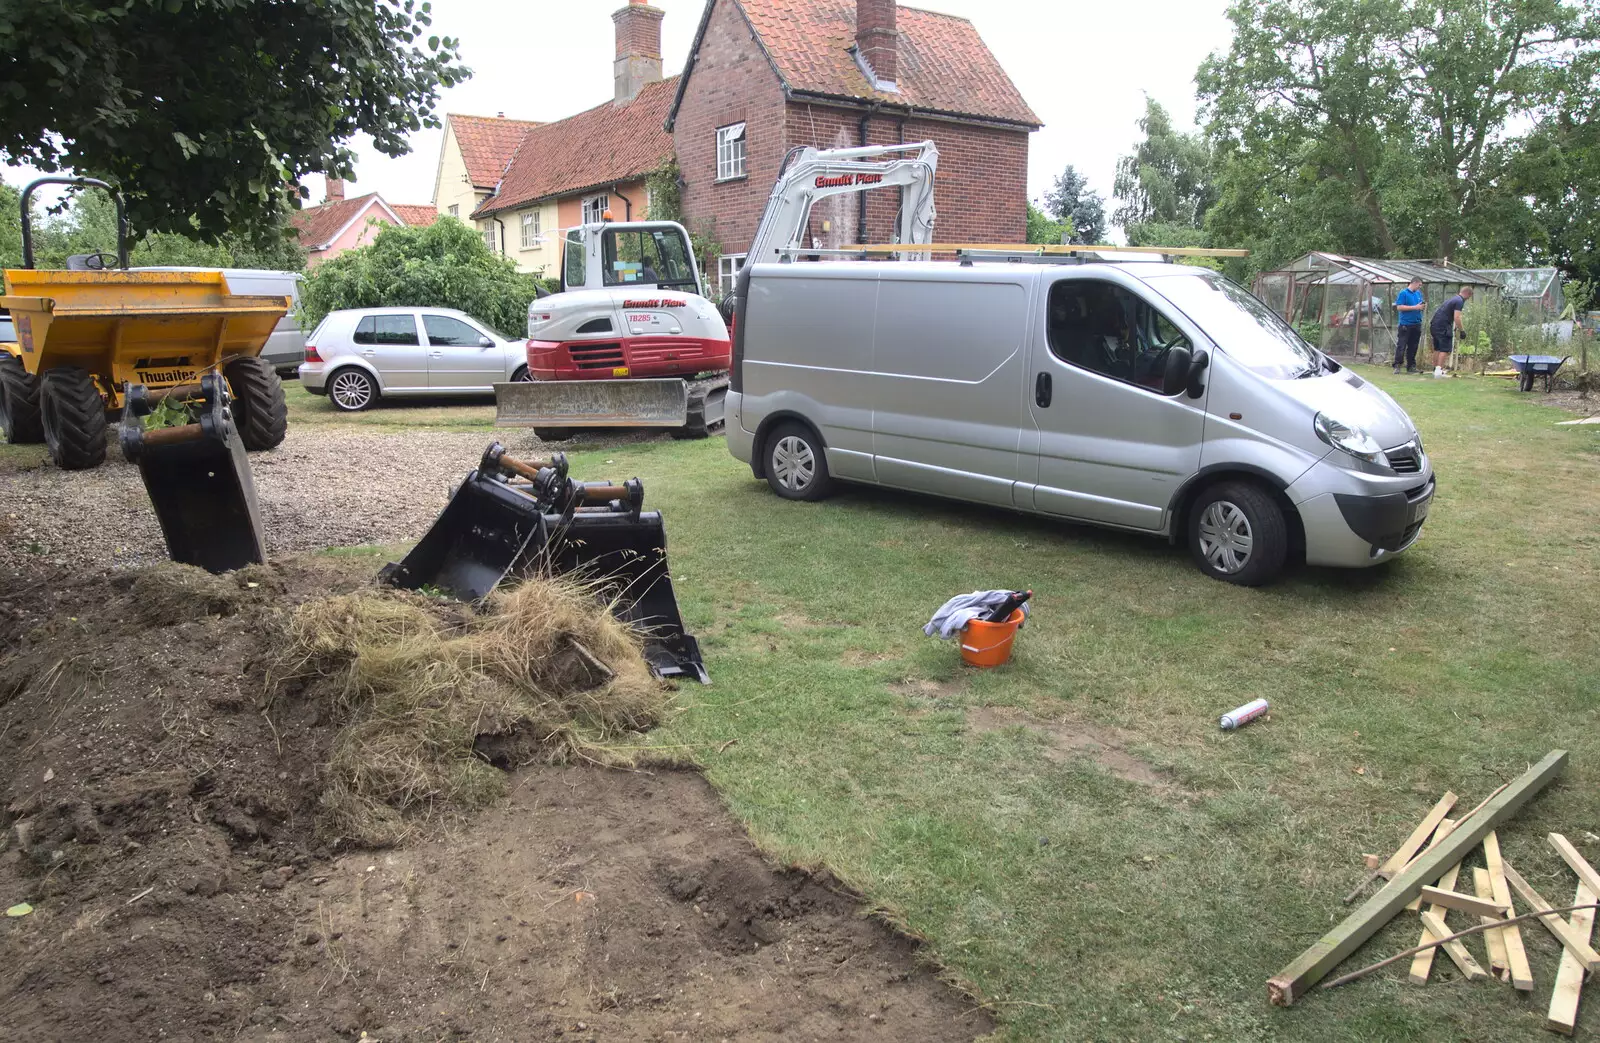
pixel 197 475
pixel 511 517
pixel 1530 366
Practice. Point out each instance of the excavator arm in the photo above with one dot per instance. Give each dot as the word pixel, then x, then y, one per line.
pixel 811 174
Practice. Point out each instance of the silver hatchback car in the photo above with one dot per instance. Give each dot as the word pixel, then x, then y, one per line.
pixel 359 355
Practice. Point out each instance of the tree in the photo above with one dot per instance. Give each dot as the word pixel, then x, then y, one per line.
pixel 1167 176
pixel 1044 231
pixel 208 112
pixel 1388 126
pixel 444 265
pixel 1070 199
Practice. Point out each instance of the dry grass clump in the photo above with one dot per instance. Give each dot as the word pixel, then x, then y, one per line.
pixel 433 699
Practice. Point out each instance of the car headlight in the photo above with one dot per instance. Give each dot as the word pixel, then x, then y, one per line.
pixel 1351 439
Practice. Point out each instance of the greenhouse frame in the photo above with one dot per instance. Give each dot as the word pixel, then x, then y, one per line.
pixel 1535 294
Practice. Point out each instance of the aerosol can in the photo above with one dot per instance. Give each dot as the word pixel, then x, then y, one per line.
pixel 1243 715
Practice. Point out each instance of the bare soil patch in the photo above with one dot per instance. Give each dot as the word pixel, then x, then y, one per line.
pixel 1068 741
pixel 163 821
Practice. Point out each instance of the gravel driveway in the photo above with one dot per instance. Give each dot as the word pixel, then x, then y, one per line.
pixel 326 486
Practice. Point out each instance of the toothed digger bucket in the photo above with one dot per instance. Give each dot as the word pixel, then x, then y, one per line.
pixel 511 517
pixel 592 403
pixel 197 476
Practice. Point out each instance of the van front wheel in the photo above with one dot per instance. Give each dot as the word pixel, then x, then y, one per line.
pixel 1238 534
pixel 795 465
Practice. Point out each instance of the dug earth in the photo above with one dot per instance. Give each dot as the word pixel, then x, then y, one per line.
pixel 161 817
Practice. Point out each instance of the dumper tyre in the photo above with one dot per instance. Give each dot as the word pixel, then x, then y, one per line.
pixel 260 411
pixel 19 403
pixel 73 416
pixel 796 465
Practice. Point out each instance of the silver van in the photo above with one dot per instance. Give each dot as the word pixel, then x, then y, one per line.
pixel 1151 397
pixel 286 347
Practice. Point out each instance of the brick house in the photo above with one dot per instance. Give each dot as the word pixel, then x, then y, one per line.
pixel 574 170
pixel 765 76
pixel 338 224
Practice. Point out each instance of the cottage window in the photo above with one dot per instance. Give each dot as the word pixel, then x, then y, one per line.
pixel 730 152
pixel 531 236
pixel 455 210
pixel 594 209
pixel 728 272
pixel 488 237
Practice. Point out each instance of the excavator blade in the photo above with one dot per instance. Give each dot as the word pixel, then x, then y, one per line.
pixel 199 482
pixel 592 403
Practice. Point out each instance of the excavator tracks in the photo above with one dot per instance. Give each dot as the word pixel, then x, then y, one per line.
pixel 707 399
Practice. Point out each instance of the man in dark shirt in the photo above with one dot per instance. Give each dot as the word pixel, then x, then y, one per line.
pixel 1444 327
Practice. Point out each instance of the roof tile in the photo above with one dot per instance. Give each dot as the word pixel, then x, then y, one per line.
pixel 317 225
pixel 416 215
pixel 487 144
pixel 608 143
pixel 944 64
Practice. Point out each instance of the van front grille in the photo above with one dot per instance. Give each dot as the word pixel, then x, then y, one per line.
pixel 596 356
pixel 1404 459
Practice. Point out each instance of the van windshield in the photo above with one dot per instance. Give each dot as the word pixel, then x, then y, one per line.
pixel 1250 332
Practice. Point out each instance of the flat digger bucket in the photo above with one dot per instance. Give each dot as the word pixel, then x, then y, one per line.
pixel 592 403
pixel 197 476
pixel 511 517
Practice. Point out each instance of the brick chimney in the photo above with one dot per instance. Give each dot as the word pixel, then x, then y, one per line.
pixel 638 48
pixel 877 40
pixel 335 191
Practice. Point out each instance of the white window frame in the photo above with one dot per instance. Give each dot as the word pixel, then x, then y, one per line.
pixel 731 152
pixel 455 211
pixel 489 238
pixel 595 207
pixel 728 271
pixel 532 234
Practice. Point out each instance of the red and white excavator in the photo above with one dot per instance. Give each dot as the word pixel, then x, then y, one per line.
pixel 631 341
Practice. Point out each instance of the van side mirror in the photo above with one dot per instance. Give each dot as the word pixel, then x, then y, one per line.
pixel 1175 375
pixel 1197 369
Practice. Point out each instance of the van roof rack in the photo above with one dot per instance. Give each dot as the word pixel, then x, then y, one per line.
pixel 1016 253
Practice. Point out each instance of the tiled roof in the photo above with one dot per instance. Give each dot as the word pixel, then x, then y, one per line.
pixel 418 216
pixel 608 143
pixel 944 64
pixel 318 225
pixel 487 144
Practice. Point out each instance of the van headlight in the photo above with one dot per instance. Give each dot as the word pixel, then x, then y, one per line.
pixel 1350 438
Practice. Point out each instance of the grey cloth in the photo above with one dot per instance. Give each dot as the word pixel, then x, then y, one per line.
pixel 963 609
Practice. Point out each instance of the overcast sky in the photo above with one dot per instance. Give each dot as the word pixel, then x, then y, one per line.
pixel 1083 65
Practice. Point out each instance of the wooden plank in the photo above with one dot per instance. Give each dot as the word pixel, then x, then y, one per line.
pixel 1576 862
pixel 1563 1015
pixel 1494 940
pixel 1422 962
pixel 1406 853
pixel 1449 899
pixel 1457 951
pixel 1330 950
pixel 1563 931
pixel 1445 826
pixel 1516 953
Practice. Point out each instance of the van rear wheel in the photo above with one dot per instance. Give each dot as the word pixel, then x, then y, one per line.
pixel 795 465
pixel 1238 534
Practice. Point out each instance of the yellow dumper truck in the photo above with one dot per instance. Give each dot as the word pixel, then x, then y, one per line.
pixel 83 335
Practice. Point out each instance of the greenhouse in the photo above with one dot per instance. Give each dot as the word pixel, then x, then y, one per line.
pixel 1345 305
pixel 1534 294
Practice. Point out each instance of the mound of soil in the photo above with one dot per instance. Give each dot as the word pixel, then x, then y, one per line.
pixel 162 824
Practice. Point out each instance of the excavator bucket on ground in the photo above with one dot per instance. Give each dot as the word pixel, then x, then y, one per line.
pixel 511 517
pixel 197 476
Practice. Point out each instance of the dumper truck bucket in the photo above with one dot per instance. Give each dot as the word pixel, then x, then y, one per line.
pixel 592 403
pixel 197 476
pixel 510 518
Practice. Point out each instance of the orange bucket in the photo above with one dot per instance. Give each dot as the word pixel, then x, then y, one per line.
pixel 989 644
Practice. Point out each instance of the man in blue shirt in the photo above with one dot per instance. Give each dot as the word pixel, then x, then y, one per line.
pixel 1445 326
pixel 1409 306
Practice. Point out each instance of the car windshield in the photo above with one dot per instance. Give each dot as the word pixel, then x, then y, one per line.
pixel 1250 332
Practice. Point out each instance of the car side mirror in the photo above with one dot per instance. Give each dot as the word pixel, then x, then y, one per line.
pixel 485 342
pixel 1197 369
pixel 1175 376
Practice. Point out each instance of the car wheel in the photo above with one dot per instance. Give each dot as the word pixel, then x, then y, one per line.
pixel 351 390
pixel 522 376
pixel 795 465
pixel 1238 534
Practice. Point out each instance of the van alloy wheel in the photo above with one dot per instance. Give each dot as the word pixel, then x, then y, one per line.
pixel 351 390
pixel 1225 537
pixel 793 463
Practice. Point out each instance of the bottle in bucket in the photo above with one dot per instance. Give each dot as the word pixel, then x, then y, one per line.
pixel 1243 715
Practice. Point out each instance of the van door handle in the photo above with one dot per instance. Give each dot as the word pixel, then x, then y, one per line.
pixel 1042 390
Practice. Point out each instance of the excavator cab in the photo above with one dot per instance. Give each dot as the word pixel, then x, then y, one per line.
pixel 629 255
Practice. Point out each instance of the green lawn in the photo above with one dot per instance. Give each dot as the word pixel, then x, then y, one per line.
pixel 432 414
pixel 1085 904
